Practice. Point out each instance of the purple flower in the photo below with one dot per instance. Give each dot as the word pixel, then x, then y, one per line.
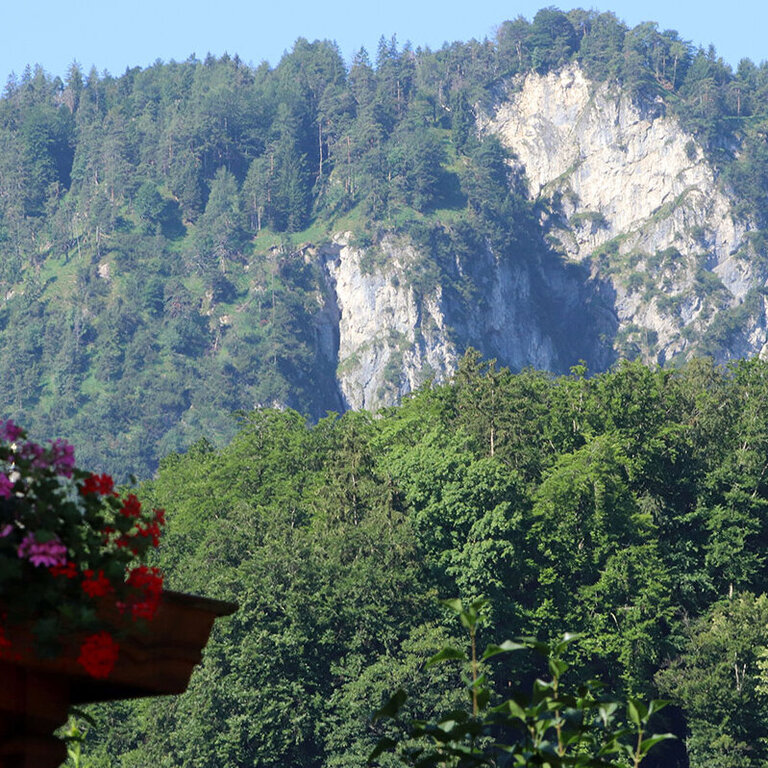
pixel 63 457
pixel 10 431
pixel 47 553
pixel 5 531
pixel 6 487
pixel 34 452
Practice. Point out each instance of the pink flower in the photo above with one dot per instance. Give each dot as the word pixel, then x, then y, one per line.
pixel 34 452
pixel 5 531
pixel 63 457
pixel 6 487
pixel 47 553
pixel 10 431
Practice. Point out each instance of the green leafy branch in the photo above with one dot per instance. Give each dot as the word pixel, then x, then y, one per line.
pixel 551 725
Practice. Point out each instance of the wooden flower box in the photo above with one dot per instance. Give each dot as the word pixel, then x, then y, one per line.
pixel 35 694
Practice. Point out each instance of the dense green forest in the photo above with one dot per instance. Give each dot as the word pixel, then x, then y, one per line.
pixel 630 506
pixel 151 223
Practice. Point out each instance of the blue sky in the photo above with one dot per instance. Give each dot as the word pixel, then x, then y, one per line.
pixel 116 35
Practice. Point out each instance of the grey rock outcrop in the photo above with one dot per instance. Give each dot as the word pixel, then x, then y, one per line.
pixel 628 189
pixel 645 256
pixel 394 336
pixel 390 340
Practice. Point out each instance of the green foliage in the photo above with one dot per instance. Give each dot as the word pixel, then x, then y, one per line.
pixel 552 725
pixel 723 654
pixel 496 195
pixel 74 735
pixel 629 504
pixel 552 39
pixel 601 49
pixel 155 276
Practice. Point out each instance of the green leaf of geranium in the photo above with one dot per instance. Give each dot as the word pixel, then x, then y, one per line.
pixel 637 711
pixel 646 744
pixel 454 604
pixel 384 744
pixel 507 646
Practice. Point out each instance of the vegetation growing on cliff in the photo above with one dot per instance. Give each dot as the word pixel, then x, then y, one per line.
pixel 149 222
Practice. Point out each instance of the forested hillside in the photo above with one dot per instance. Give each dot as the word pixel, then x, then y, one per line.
pixel 630 506
pixel 154 225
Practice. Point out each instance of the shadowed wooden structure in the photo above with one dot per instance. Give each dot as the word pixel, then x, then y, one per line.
pixel 35 694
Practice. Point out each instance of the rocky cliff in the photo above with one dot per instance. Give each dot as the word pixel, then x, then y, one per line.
pixel 626 190
pixel 394 334
pixel 646 255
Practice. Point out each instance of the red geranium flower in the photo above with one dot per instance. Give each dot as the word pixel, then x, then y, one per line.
pixel 98 654
pixel 131 506
pixel 63 521
pixel 68 570
pixel 102 484
pixel 96 585
pixel 4 641
pixel 148 583
pixel 153 530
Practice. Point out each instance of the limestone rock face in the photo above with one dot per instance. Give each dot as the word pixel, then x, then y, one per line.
pixel 643 255
pixel 390 340
pixel 627 189
pixel 393 335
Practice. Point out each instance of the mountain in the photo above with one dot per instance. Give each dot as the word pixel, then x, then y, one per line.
pixel 199 238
